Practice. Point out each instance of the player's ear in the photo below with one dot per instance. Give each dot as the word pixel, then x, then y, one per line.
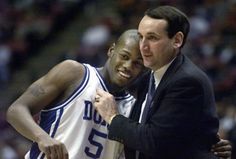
pixel 111 50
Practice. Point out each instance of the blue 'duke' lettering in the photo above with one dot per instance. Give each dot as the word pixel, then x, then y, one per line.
pixel 92 114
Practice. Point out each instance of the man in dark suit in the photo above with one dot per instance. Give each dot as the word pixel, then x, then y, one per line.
pixel 178 120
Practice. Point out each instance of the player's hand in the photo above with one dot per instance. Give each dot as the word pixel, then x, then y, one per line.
pixel 53 149
pixel 105 104
pixel 222 149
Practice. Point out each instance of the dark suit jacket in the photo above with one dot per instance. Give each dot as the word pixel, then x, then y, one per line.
pixel 182 122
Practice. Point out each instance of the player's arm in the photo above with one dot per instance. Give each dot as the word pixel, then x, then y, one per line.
pixel 39 95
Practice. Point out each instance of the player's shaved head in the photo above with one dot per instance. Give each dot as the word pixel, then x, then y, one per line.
pixel 127 35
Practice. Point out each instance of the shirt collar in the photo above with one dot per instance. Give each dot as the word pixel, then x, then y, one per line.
pixel 158 74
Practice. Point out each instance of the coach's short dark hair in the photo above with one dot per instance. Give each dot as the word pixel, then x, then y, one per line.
pixel 176 19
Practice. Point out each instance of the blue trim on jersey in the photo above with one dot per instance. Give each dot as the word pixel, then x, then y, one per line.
pixel 34 151
pixel 48 119
pixel 126 96
pixel 77 91
pixel 101 80
pixel 57 122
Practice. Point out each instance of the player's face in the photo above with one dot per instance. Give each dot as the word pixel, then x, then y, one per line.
pixel 125 62
pixel 156 47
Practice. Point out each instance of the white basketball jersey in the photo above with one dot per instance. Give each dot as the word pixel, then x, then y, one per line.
pixel 77 124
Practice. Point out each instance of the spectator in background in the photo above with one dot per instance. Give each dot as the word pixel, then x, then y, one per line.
pixel 93 43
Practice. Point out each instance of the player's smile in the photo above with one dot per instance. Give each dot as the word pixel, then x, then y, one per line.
pixel 124 75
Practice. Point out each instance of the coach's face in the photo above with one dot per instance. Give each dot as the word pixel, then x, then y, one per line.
pixel 125 62
pixel 156 47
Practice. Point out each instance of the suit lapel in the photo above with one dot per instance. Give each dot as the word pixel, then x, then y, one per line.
pixel 167 77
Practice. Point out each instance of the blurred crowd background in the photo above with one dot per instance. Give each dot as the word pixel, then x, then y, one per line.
pixel 37 34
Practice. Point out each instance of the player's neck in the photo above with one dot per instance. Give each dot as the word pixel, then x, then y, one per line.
pixel 107 79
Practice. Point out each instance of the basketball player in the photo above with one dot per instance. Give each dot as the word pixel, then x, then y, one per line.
pixel 69 126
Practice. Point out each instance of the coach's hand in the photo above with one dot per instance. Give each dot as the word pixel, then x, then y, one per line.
pixel 53 149
pixel 105 104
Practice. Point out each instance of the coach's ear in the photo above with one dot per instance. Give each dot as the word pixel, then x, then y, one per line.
pixel 111 50
pixel 178 40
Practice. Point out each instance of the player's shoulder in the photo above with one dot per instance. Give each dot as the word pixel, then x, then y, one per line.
pixel 67 70
pixel 71 66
